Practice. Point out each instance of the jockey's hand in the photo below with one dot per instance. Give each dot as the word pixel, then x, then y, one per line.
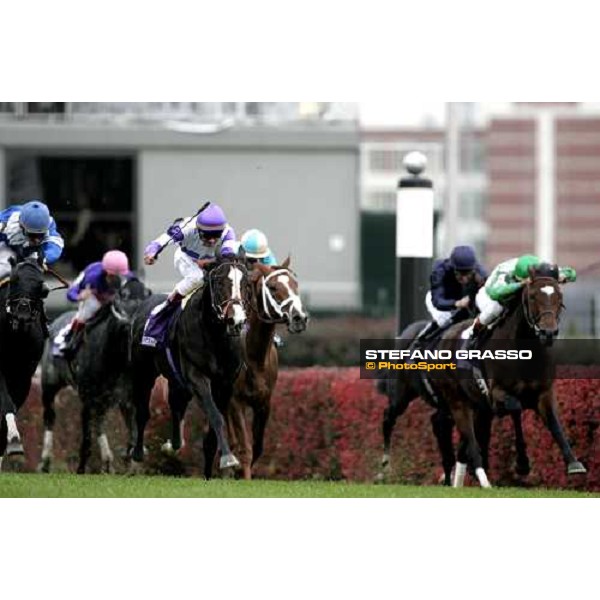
pixel 204 262
pixel 151 252
pixel 85 294
pixel 149 259
pixel 463 302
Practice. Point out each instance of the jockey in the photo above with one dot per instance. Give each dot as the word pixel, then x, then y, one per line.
pixel 198 239
pixel 95 286
pixel 506 280
pixel 26 229
pixel 256 248
pixel 455 282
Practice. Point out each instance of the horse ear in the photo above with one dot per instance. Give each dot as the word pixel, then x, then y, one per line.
pixel 12 261
pixel 286 263
pixel 532 272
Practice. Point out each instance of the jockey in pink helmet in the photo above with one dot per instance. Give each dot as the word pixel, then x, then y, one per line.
pixel 198 240
pixel 95 286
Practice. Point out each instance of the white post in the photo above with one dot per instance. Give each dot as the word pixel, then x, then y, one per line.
pixel 545 205
pixel 452 172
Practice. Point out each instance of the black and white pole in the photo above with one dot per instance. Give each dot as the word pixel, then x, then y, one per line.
pixel 414 241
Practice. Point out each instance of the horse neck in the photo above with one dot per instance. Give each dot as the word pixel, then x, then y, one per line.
pixel 259 338
pixel 516 326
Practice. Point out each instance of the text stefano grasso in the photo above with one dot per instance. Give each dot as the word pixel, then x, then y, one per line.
pixel 445 355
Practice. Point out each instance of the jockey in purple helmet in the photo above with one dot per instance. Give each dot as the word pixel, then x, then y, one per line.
pixel 198 240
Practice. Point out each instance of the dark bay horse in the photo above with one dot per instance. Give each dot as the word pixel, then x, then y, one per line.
pixel 22 333
pixel 532 319
pixel 275 299
pixel 99 372
pixel 202 359
pixel 402 388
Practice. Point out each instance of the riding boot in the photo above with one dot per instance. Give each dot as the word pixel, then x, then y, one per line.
pixel 471 334
pixel 424 334
pixel 73 339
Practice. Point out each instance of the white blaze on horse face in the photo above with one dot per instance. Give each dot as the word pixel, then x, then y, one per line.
pixel 296 302
pixel 548 290
pixel 235 276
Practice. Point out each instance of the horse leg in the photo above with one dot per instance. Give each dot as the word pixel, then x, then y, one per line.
pixel 178 403
pixel 548 411
pixel 239 438
pixel 463 417
pixel 8 411
pixel 400 396
pixel 523 468
pixel 85 449
pixel 128 413
pixel 259 425
pixel 483 434
pixel 202 388
pixel 106 454
pixel 49 393
pixel 442 425
pixel 142 388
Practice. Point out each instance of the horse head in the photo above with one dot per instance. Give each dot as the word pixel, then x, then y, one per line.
pixel 26 292
pixel 131 295
pixel 228 287
pixel 276 298
pixel 543 302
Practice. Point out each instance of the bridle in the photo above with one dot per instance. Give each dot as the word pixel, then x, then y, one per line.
pixel 534 322
pixel 221 308
pixel 273 311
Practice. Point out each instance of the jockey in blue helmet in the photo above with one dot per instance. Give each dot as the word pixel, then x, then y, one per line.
pixel 455 282
pixel 198 241
pixel 25 230
pixel 256 248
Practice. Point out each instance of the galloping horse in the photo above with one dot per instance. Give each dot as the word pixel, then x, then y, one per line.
pixel 274 300
pixel 22 334
pixel 402 388
pixel 202 358
pixel 532 318
pixel 99 371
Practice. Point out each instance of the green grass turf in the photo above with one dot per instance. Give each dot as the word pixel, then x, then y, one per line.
pixel 13 485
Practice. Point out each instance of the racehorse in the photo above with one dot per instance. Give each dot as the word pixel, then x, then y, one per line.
pixel 402 388
pixel 22 333
pixel 274 299
pixel 531 318
pixel 99 371
pixel 202 357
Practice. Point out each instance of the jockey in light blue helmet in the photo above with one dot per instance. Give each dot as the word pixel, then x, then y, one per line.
pixel 256 247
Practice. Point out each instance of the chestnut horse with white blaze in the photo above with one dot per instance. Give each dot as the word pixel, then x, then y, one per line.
pixel 274 300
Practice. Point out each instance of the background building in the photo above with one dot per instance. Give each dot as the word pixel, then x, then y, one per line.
pixel 116 175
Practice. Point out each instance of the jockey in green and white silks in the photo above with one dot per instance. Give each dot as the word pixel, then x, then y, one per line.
pixel 506 280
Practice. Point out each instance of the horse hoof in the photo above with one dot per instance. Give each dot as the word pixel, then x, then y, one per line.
pixel 576 468
pixel 229 461
pixel 135 468
pixel 15 447
pixel 380 478
pixel 167 448
pixel 44 466
pixel 108 467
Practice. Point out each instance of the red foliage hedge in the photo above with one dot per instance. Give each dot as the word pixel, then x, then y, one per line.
pixel 326 424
